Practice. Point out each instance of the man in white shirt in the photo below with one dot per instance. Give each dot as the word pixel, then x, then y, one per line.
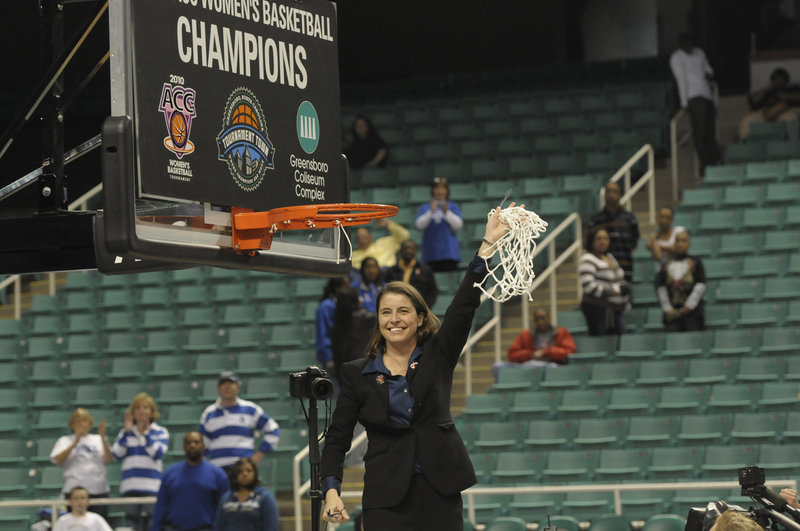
pixel 693 75
pixel 80 519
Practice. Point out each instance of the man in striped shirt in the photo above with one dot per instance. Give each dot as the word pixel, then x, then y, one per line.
pixel 228 426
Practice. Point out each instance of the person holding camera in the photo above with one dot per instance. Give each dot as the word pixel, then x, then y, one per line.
pixel 416 464
pixel 228 425
pixel 440 220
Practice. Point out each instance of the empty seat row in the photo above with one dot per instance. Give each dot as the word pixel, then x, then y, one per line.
pixel 621 402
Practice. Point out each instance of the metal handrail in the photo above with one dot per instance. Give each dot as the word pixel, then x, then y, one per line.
pixel 54 504
pixel 648 178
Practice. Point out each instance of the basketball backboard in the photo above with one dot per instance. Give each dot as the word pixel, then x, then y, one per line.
pixel 218 105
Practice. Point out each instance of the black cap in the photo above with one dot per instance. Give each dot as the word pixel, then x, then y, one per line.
pixel 228 376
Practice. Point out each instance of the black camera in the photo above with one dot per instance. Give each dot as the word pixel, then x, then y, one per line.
pixel 311 383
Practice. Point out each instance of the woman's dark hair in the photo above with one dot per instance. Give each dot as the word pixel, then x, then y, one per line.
pixel 588 244
pixel 233 476
pixel 370 128
pixel 334 285
pixel 430 323
pixel 364 263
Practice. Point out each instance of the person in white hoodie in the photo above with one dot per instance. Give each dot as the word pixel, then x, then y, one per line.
pixel 693 76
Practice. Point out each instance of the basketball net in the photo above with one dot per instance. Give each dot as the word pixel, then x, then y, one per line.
pixel 514 274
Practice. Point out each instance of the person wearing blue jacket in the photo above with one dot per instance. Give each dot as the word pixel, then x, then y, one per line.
pixel 248 506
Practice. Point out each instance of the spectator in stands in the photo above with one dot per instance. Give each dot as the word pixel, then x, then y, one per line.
pixel 140 445
pixel 731 520
pixel 84 456
pixel 605 293
pixel 415 272
pixel 366 149
pixel 790 495
pixel 324 319
pixel 621 226
pixel 440 220
pixel 416 462
pixel 80 517
pixel 190 491
pixel 228 426
pixel 542 346
pixel 384 249
pixel 680 285
pixel 693 75
pixel 369 283
pixel 248 506
pixel 777 101
pixel 662 241
pixel 352 325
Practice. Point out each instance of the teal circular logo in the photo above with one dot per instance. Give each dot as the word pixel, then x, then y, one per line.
pixel 308 127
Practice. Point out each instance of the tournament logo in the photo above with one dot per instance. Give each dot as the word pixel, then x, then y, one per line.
pixel 177 104
pixel 308 127
pixel 243 142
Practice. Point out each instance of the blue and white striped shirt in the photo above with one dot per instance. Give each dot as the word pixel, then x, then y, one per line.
pixel 142 458
pixel 229 432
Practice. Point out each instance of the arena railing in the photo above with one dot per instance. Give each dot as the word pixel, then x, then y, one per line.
pixel 55 504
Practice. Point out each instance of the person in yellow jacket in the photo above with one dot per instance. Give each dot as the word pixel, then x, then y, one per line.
pixel 384 249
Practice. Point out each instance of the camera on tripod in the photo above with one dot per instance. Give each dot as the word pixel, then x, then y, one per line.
pixel 311 383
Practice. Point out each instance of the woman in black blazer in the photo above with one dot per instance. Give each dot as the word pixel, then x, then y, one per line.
pixel 416 463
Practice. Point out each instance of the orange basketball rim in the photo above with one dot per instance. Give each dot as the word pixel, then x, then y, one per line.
pixel 254 230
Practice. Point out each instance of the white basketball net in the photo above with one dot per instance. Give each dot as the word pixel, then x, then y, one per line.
pixel 514 274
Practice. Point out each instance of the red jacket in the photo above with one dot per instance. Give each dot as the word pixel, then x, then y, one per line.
pixel 523 347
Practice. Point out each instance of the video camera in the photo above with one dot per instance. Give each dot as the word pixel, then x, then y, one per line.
pixel 311 383
pixel 768 516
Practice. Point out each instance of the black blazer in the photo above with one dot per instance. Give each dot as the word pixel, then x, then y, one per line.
pixel 431 438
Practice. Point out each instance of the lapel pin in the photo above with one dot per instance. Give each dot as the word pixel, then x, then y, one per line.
pixel 380 378
pixel 414 364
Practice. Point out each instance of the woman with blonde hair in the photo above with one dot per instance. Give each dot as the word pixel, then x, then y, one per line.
pixel 84 456
pixel 140 445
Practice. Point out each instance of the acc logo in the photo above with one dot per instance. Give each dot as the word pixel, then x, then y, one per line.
pixel 308 127
pixel 243 141
pixel 177 104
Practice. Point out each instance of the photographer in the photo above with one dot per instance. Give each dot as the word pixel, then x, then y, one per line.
pixel 735 521
pixel 416 463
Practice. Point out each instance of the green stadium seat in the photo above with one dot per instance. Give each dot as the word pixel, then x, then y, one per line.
pixel 738 290
pixel 721 316
pixel 779 459
pixel 704 429
pixel 532 405
pixel 194 317
pixel 640 346
pixel 550 434
pixel 561 521
pixel 648 431
pixel 266 387
pixel 761 313
pixel 175 392
pixel 212 364
pixel 169 366
pixel 127 369
pixel 182 417
pixel 610 522
pixel 116 299
pixel 125 391
pixel 484 464
pixel 746 243
pixel 762 218
pixel 701 199
pixel 516 379
pixel 745 152
pixel 192 295
pixel 612 374
pixel 779 396
pixel 760 369
pixel 17 423
pixel 660 372
pixel 12 374
pixel 686 499
pixel 711 371
pixel 116 321
pixel 47 371
pixel 233 292
pixel 793 312
pixel 733 397
pixel 583 403
pixel 161 342
pixel 757 428
pixel 622 464
pixel 793 268
pixel 664 522
pixel 632 401
pixel 506 523
pixel 669 463
pixel 600 433
pixel 791 432
pixel 92 395
pixel 765 171
pixel 782 193
pixel 681 400
pixel 722 267
pixel 499 436
pixel 487 506
pixel 158 319
pixel 722 462
pixel 781 240
pixel 588 505
pixel 779 288
pixel 594 347
pixel 46 397
pixel 530 506
pixel 564 465
pixel 742 195
pixel 85 370
pixel 286 335
pixel 80 301
pixel 486 407
pixel 46 325
pixel 245 338
pixel 565 377
pixel 82 346
pixel 269 290
pixel 685 344
pixel 735 342
pixel 780 340
pixel 203 340
pixel 517 468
